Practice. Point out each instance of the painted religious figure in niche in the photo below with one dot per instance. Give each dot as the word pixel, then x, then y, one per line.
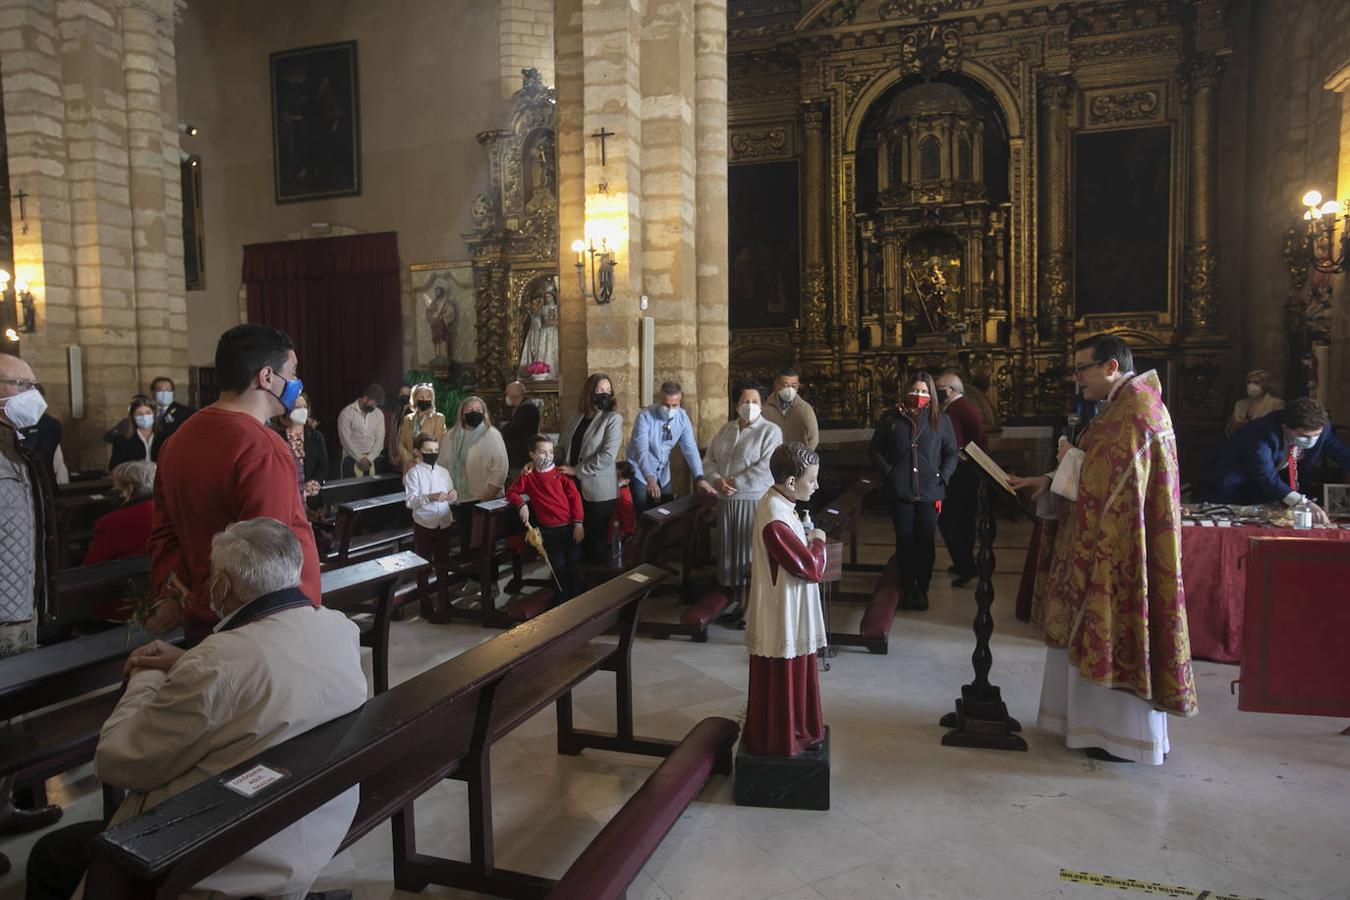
pixel 932 279
pixel 315 123
pixel 541 338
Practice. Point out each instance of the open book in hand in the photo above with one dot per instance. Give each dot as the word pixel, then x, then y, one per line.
pixel 991 468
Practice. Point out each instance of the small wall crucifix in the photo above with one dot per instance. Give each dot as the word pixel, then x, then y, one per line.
pixel 602 134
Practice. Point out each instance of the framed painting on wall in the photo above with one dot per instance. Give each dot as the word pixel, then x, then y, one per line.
pixel 316 132
pixel 444 314
pixel 764 245
pixel 1122 235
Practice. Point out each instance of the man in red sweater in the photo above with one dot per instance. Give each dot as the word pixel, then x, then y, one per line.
pixel 224 466
pixel 552 497
pixel 957 520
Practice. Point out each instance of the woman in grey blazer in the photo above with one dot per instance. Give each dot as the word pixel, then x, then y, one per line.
pixel 587 450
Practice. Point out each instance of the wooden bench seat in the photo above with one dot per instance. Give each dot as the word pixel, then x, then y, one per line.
pixel 54 700
pixel 611 861
pixel 368 590
pixel 368 526
pixel 440 723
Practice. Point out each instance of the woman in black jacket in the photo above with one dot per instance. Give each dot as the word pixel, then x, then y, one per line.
pixel 914 448
pixel 138 435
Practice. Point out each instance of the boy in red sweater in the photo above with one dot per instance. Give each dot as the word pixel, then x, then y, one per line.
pixel 545 495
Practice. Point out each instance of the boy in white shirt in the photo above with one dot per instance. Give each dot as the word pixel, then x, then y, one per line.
pixel 429 493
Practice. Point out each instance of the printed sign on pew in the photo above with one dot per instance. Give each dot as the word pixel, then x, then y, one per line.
pixel 254 780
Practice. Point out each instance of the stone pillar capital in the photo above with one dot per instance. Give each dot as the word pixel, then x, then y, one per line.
pixel 1055 90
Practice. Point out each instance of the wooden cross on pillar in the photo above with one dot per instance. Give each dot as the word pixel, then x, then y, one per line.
pixel 602 134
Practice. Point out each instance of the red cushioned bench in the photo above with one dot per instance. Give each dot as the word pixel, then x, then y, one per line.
pixel 611 861
pixel 874 631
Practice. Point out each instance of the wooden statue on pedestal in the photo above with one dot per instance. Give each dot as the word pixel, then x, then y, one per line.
pixel 784 754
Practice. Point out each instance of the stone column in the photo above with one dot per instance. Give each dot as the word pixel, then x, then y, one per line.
pixel 571 198
pixel 815 291
pixel 1200 86
pixel 669 151
pixel 146 186
pixel 1055 292
pixel 611 89
pixel 710 230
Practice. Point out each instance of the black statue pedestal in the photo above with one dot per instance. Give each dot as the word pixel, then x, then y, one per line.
pixel 981 718
pixel 784 782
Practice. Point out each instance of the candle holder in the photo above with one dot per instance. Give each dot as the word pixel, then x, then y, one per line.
pixel 601 288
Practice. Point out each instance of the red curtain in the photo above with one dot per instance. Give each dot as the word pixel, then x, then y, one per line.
pixel 338 299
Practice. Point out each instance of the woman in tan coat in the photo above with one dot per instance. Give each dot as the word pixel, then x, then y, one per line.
pixel 421 419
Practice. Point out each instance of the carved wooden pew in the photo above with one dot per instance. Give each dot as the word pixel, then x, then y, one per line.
pixel 839 520
pixel 369 528
pixel 346 490
pixel 368 592
pixel 82 592
pixel 54 700
pixel 75 516
pixel 442 723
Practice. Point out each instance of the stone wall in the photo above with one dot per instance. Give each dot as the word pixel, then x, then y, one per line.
pixel 1283 131
pixel 526 41
pixel 430 80
pixel 92 128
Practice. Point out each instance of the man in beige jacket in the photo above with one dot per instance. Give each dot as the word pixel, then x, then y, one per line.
pixel 793 415
pixel 275 667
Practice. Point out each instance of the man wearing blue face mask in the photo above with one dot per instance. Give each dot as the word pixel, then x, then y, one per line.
pixel 1261 462
pixel 225 465
pixel 659 429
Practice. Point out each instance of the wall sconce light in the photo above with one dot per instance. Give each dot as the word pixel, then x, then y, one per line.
pixel 602 270
pixel 1321 234
pixel 20 315
pixel 188 129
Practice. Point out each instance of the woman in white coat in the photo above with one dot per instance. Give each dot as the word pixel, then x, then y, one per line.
pixel 784 628
pixel 736 467
pixel 587 450
pixel 475 455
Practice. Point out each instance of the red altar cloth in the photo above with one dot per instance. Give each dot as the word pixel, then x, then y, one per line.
pixel 1213 574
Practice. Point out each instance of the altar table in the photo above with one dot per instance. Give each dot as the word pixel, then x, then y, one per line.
pixel 1214 577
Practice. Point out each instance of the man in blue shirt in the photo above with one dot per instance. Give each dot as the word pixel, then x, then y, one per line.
pixel 1253 466
pixel 658 430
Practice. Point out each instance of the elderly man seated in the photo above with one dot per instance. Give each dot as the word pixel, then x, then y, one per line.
pixel 275 667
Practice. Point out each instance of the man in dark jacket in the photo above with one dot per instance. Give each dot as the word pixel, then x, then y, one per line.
pixel 1261 462
pixel 957 520
pixel 520 426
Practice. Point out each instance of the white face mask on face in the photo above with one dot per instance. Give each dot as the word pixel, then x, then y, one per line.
pixel 749 412
pixel 145 421
pixel 1254 390
pixel 300 416
pixel 23 410
pixel 164 398
pixel 787 394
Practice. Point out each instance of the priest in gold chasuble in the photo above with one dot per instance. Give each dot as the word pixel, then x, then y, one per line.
pixel 1108 595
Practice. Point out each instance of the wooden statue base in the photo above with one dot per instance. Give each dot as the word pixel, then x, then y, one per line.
pixel 784 782
pixel 982 722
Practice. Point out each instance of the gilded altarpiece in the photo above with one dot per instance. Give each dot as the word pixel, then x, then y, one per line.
pixel 936 144
pixel 514 245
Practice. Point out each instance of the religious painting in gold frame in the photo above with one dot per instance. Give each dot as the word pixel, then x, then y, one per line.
pixel 444 319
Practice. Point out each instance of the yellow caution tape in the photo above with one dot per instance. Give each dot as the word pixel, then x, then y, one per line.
pixel 1144 887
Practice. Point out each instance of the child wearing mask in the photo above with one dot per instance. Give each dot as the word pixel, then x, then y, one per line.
pixel 624 522
pixel 549 499
pixel 914 448
pixel 429 493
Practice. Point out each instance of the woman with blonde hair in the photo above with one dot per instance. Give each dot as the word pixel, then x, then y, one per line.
pixel 475 455
pixel 422 418
pixel 587 450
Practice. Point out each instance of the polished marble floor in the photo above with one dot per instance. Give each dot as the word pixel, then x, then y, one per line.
pixel 1246 804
